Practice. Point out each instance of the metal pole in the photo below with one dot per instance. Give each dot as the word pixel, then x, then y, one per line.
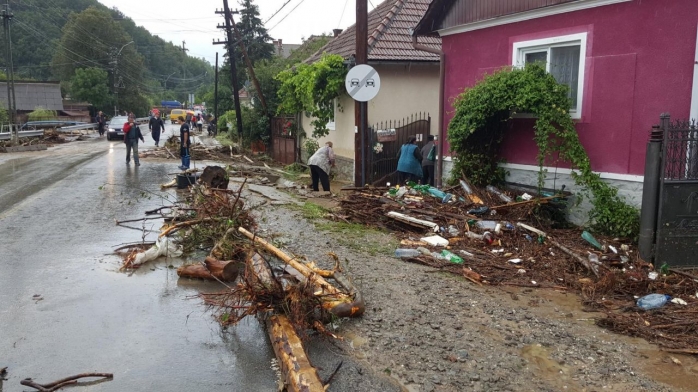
pixel 233 68
pixel 215 93
pixel 650 195
pixel 361 108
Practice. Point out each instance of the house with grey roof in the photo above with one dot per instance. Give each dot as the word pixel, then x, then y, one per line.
pixel 31 95
pixel 409 77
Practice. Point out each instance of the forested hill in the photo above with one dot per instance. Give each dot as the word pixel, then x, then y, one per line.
pixel 53 38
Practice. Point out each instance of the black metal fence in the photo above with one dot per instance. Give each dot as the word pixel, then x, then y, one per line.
pixel 385 141
pixel 680 150
pixel 677 220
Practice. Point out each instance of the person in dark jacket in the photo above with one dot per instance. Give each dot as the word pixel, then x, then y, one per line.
pixel 185 143
pixel 156 125
pixel 427 164
pixel 132 133
pixel 409 163
pixel 100 123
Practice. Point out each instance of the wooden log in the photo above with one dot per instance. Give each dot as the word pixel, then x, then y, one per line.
pixel 413 221
pixel 212 269
pixel 299 375
pixel 333 300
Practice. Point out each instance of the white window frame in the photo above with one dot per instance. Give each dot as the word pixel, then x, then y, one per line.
pixel 537 45
pixel 332 125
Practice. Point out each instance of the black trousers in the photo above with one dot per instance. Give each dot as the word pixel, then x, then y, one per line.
pixel 403 178
pixel 318 174
pixel 428 175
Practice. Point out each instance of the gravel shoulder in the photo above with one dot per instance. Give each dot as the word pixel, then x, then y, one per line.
pixel 433 331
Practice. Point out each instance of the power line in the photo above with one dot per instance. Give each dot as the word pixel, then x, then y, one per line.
pixel 342 16
pixel 284 18
pixel 277 11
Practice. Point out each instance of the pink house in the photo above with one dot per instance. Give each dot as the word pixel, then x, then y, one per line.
pixel 625 61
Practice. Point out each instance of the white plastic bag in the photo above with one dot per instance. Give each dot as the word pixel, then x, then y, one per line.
pixel 163 247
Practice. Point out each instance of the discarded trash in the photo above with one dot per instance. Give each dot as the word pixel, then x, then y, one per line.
pixel 435 240
pixel 679 301
pixel 498 251
pixel 163 247
pixel 404 253
pixel 479 210
pixel 423 250
pixel 521 271
pixel 451 257
pixel 515 261
pixel 526 197
pixel 613 249
pixel 468 254
pixel 625 248
pixel 528 237
pixel 590 239
pixel 488 238
pixel 453 231
pixel 652 301
pixel 486 224
pixel 439 194
pixel 503 197
pixel 469 192
pixel 474 236
pixel 653 275
pixel 413 221
pixel 498 228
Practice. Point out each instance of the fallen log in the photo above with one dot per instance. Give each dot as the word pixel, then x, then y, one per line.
pixel 413 221
pixel 56 385
pixel 333 300
pixel 212 269
pixel 299 375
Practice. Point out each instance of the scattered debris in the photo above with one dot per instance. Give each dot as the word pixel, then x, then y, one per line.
pixel 72 380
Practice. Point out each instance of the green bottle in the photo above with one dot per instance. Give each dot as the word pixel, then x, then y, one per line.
pixel 451 257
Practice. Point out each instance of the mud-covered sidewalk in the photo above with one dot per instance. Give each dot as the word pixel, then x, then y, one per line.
pixel 434 331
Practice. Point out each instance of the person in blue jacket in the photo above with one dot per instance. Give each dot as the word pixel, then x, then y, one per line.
pixel 409 163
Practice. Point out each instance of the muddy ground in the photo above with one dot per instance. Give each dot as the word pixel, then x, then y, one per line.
pixel 433 331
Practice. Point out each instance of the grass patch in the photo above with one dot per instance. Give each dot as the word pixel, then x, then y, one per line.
pixel 310 211
pixel 294 171
pixel 360 238
pixel 225 140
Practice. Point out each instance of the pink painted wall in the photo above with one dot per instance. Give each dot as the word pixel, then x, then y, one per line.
pixel 639 64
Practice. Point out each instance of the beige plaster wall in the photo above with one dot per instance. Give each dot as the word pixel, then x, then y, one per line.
pixel 405 90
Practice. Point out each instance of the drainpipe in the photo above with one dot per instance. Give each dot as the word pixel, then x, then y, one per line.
pixel 650 195
pixel 442 77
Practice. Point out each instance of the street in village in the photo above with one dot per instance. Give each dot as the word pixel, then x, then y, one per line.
pixel 68 309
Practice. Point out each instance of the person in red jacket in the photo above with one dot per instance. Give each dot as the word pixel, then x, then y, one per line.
pixel 132 133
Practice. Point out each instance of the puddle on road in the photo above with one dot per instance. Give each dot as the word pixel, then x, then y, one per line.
pixel 547 368
pixel 648 359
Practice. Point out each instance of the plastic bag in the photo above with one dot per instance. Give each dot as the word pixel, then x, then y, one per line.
pixel 432 154
pixel 163 247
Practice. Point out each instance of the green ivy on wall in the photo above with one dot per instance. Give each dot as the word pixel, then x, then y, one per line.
pixel 312 88
pixel 479 124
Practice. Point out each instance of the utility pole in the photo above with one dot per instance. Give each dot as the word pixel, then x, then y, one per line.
pixel 250 69
pixel 11 102
pixel 361 108
pixel 233 68
pixel 184 70
pixel 215 93
pixel 118 83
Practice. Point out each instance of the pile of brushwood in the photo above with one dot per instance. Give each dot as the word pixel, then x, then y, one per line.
pixel 496 237
pixel 289 293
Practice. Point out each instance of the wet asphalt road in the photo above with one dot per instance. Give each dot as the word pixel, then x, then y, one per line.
pixel 57 231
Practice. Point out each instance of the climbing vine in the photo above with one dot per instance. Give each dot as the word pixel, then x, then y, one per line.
pixel 312 88
pixel 478 126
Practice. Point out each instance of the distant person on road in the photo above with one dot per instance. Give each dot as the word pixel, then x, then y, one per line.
pixel 320 164
pixel 428 164
pixel 409 163
pixel 185 143
pixel 100 123
pixel 156 126
pixel 188 120
pixel 132 133
pixel 199 123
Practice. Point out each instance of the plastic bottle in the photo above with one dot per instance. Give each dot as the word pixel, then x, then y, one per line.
pixel 453 231
pixel 653 301
pixel 503 197
pixel 405 253
pixel 466 188
pixel 424 250
pixel 474 236
pixel 479 210
pixel 508 226
pixel 439 194
pixel 590 239
pixel 451 257
pixel 487 224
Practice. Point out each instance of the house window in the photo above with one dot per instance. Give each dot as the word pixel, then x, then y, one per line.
pixel 563 57
pixel 331 125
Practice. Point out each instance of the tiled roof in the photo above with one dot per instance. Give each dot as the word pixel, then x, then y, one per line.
pixel 389 34
pixel 29 96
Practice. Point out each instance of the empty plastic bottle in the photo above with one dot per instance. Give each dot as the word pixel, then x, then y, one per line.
pixel 653 301
pixel 451 257
pixel 479 210
pixel 439 194
pixel 503 197
pixel 474 236
pixel 487 224
pixel 590 239
pixel 405 253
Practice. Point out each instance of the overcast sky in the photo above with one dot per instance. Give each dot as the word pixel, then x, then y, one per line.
pixel 297 20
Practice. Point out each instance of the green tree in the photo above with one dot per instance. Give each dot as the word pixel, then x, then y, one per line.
pixel 254 36
pixel 91 85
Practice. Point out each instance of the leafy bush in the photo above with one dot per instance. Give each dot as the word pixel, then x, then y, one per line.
pixel 40 113
pixel 225 119
pixel 476 131
pixel 311 145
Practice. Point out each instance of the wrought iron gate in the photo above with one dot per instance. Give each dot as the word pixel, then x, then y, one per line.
pixel 677 220
pixel 283 139
pixel 385 142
